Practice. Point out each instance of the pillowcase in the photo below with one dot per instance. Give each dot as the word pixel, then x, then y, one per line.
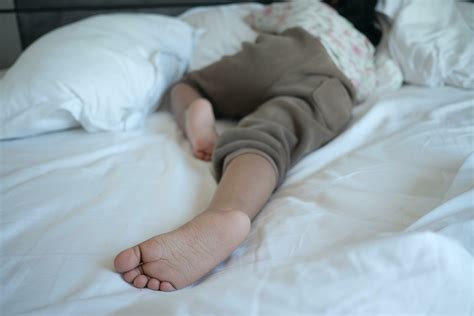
pixel 224 31
pixel 105 73
pixel 388 73
pixel 431 42
pixel 350 50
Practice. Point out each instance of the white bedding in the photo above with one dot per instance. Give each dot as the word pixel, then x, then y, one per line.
pixel 380 221
pixel 431 40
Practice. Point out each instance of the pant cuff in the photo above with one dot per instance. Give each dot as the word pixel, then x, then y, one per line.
pixel 242 151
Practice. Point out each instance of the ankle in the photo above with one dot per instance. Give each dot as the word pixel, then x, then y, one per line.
pixel 231 219
pixel 198 105
pixel 201 101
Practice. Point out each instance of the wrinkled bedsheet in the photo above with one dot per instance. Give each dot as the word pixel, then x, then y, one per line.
pixel 379 221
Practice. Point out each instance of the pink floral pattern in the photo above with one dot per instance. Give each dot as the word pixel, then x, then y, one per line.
pixel 349 49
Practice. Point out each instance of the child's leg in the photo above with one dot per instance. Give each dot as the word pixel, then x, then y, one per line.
pixel 177 259
pixel 195 117
pixel 282 131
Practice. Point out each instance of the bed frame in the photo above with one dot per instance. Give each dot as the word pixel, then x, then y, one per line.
pixel 37 17
pixel 23 21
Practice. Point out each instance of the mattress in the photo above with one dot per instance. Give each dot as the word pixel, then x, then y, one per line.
pixel 379 221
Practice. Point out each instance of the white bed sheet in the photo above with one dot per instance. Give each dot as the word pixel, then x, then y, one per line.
pixel 380 221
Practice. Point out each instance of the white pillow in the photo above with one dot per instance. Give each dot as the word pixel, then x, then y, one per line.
pixel 389 74
pixel 225 31
pixel 105 73
pixel 431 42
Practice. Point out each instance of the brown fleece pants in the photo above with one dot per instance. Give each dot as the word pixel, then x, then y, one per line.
pixel 287 93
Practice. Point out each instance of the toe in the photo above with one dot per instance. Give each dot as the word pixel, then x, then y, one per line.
pixel 129 276
pixel 140 281
pixel 127 259
pixel 202 155
pixel 198 154
pixel 166 287
pixel 153 284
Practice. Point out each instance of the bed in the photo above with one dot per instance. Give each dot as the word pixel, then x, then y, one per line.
pixel 380 221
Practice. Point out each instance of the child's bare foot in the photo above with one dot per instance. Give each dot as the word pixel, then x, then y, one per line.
pixel 199 125
pixel 179 258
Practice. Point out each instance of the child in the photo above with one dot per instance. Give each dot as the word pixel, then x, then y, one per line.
pixel 290 99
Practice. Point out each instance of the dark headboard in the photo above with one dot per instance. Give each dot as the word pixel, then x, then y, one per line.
pixel 37 17
pixel 23 21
